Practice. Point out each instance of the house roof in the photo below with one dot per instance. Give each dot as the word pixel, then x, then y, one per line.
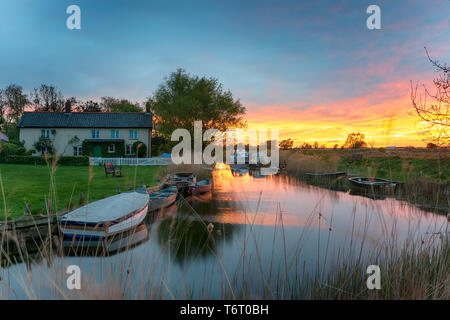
pixel 85 120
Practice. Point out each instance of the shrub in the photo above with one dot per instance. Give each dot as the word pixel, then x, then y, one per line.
pixel 9 149
pixel 39 160
pixel 140 149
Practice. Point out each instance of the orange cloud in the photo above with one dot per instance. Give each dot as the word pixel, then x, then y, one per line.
pixel 383 116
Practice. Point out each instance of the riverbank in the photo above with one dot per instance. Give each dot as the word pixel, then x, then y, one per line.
pixel 47 188
pixel 425 173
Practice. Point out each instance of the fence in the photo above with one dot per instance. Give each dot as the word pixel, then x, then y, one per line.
pixel 131 161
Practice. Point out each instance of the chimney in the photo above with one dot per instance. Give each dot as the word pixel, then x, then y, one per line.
pixel 68 106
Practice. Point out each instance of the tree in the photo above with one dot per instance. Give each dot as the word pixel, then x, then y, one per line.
pixel 89 106
pixel 110 104
pixel 286 144
pixel 355 140
pixel 3 107
pixel 15 100
pixel 433 109
pixel 183 99
pixel 48 99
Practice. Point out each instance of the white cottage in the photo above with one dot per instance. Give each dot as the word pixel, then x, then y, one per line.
pixel 96 134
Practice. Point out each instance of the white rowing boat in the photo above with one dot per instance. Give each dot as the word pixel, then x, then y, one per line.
pixel 106 217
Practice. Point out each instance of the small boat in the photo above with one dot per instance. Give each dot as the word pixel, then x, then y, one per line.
pixel 375 183
pixel 183 177
pixel 330 175
pixel 202 186
pixel 106 217
pixel 162 198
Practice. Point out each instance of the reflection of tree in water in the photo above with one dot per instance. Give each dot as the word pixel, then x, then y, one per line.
pixel 186 238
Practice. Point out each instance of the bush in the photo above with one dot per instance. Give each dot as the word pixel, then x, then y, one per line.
pixel 39 160
pixel 140 151
pixel 9 149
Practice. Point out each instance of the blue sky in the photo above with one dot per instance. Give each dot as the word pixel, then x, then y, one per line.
pixel 292 54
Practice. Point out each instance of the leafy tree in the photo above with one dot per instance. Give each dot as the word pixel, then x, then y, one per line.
pixel 183 98
pixel 15 100
pixel 286 144
pixel 433 108
pixel 110 104
pixel 355 140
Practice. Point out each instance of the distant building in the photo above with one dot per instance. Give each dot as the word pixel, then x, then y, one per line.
pixel 101 134
pixel 391 148
pixel 3 137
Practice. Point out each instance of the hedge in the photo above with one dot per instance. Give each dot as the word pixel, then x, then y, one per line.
pixel 64 161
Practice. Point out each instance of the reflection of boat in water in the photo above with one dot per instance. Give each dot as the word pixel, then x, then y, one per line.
pixel 162 198
pixel 372 183
pixel 106 217
pixel 202 186
pixel 115 244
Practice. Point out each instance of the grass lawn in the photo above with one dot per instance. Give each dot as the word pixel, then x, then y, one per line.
pixel 32 184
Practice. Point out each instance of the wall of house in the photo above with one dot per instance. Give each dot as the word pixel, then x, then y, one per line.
pixel 62 137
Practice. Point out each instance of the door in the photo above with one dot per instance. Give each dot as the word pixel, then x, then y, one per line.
pixel 97 151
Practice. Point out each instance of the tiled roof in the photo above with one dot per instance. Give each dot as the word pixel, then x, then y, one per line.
pixel 85 120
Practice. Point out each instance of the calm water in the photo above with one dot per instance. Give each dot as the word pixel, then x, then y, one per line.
pixel 252 235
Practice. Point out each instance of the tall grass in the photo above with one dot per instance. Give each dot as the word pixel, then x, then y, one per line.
pixel 414 269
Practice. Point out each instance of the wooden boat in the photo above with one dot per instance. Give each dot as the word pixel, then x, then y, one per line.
pixel 106 217
pixel 202 186
pixel 115 244
pixel 368 183
pixel 330 175
pixel 183 177
pixel 162 198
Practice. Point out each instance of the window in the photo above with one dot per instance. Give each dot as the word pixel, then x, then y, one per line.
pixel 44 150
pixel 112 148
pixel 114 134
pixel 133 134
pixel 95 134
pixel 45 133
pixel 129 149
pixel 77 151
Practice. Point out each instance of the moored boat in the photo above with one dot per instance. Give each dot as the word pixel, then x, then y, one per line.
pixel 183 177
pixel 368 183
pixel 162 198
pixel 106 217
pixel 202 186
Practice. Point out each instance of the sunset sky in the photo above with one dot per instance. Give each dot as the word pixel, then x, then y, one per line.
pixel 310 68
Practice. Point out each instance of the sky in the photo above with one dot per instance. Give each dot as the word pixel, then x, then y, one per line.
pixel 312 69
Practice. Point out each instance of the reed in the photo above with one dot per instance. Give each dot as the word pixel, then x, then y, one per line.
pixel 414 269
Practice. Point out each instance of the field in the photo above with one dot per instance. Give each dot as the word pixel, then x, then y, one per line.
pixel 65 186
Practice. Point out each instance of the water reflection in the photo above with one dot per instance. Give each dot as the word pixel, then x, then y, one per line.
pixel 246 228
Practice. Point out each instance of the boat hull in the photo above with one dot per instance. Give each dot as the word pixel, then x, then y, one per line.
pixel 71 229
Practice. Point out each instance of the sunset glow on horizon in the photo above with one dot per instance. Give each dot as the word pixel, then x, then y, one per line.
pixel 311 69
